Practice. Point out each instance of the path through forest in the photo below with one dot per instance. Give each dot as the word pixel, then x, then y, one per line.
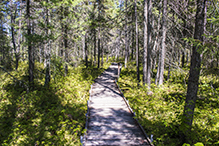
pixel 110 120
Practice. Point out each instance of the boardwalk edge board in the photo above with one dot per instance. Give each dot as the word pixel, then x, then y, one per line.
pixel 127 103
pixel 87 116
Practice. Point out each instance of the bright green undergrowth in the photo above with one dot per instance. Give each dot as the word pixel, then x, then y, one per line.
pixel 53 115
pixel 160 109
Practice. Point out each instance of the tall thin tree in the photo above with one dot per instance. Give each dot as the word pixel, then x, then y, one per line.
pixel 136 42
pixel 194 72
pixel 30 49
pixel 149 25
pixel 13 16
pixel 145 41
pixel 47 49
pixel 126 36
pixel 163 44
pixel 85 49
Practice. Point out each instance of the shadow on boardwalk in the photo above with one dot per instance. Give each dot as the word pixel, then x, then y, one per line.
pixel 110 121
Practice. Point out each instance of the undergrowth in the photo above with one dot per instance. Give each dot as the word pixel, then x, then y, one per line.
pixel 160 110
pixel 53 115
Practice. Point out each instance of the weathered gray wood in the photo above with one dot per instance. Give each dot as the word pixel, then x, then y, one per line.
pixel 123 142
pixel 110 121
pixel 98 136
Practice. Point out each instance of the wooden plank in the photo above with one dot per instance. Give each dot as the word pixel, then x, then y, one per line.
pixel 112 119
pixel 113 124
pixel 107 98
pixel 103 101
pixel 98 136
pixel 117 142
pixel 114 137
pixel 104 128
pixel 91 105
pixel 116 108
pixel 106 113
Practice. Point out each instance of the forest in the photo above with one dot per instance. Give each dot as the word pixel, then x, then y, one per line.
pixel 52 50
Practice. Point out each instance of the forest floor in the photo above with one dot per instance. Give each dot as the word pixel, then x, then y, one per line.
pixel 160 112
pixel 55 115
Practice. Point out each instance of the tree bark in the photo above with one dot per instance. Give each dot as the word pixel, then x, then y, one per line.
pixel 133 32
pixel 66 49
pixel 145 41
pixel 94 31
pixel 193 73
pixel 163 45
pixel 30 49
pixel 99 47
pixel 150 21
pixel 158 44
pixel 136 42
pixel 126 38
pixel 185 29
pixel 118 45
pixel 12 35
pixel 48 51
pixel 19 33
pixel 102 53
pixel 85 50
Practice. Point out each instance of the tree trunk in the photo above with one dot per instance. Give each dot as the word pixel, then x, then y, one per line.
pixel 185 33
pixel 183 57
pixel 102 53
pixel 163 45
pixel 168 76
pixel 193 73
pixel 94 31
pixel 158 71
pixel 149 43
pixel 85 50
pixel 118 45
pixel 136 41
pixel 158 44
pixel 66 49
pixel 12 35
pixel 47 51
pixel 19 34
pixel 133 33
pixel 126 37
pixel 99 47
pixel 145 41
pixel 30 49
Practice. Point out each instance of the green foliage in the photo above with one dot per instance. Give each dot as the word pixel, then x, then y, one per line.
pixel 160 109
pixel 45 116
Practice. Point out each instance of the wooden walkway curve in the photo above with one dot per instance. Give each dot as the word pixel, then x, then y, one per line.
pixel 110 122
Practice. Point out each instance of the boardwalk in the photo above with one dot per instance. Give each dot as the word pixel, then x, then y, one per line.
pixel 110 120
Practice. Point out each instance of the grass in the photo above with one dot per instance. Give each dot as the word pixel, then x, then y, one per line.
pixel 53 115
pixel 160 113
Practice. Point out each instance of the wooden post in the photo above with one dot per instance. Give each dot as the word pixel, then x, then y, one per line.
pixel 118 69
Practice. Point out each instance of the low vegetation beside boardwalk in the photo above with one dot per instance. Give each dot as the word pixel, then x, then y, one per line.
pixel 53 115
pixel 160 109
